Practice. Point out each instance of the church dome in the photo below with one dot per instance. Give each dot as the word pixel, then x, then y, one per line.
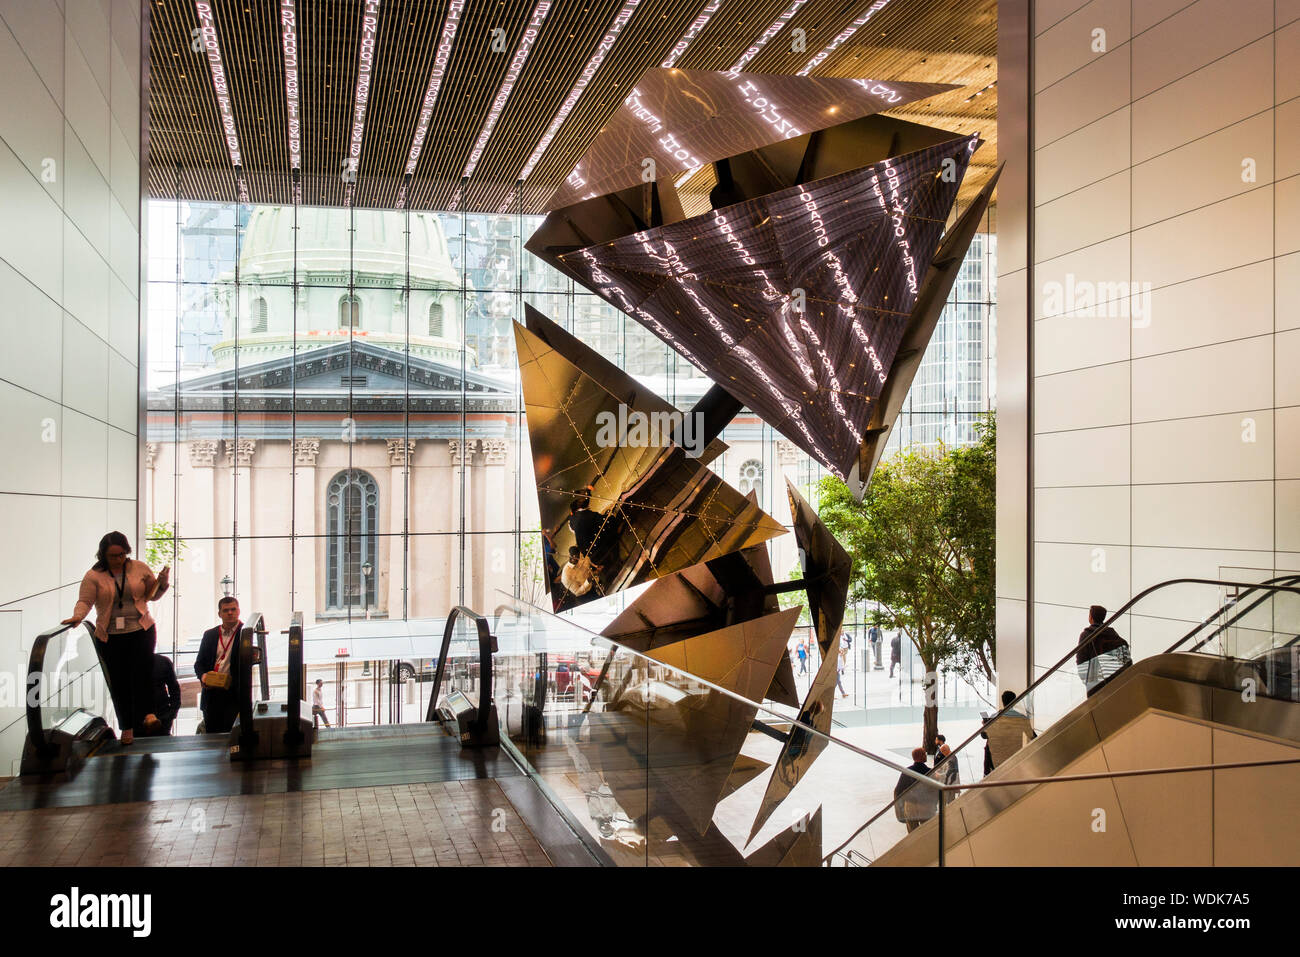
pixel 328 249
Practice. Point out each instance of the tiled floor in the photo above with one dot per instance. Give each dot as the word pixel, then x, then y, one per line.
pixel 455 823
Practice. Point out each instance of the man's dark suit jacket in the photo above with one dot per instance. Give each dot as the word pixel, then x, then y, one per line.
pixel 206 660
pixel 166 692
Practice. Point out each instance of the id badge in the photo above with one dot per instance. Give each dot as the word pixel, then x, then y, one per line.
pixel 120 623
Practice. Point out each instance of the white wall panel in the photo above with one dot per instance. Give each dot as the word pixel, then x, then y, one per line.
pixel 1094 514
pixel 1229 377
pixel 1204 171
pixel 1071 44
pixel 1218 95
pixel 32 329
pixel 1098 150
pixel 1084 96
pixel 1234 304
pixel 1084 217
pixel 1233 515
pixel 1063 572
pixel 1195 36
pixel 1220 448
pixel 1082 457
pixel 1089 398
pixel 1197 243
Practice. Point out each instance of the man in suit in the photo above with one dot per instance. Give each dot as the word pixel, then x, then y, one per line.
pixel 217 667
pixel 166 698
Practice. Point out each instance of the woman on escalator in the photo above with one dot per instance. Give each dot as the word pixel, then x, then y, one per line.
pixel 120 590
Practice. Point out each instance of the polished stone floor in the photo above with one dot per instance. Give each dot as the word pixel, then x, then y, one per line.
pixel 449 823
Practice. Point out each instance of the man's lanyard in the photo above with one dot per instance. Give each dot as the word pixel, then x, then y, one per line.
pixel 223 649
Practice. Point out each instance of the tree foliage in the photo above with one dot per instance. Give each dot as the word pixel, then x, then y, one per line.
pixel 922 544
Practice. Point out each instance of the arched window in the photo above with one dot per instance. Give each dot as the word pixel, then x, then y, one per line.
pixel 352 519
pixel 349 313
pixel 259 315
pixel 435 319
pixel 751 478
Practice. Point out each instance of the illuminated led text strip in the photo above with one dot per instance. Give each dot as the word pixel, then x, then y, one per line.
pixel 777 26
pixel 512 76
pixel 361 95
pixel 843 36
pixel 441 61
pixel 697 25
pixel 292 83
pixel 221 87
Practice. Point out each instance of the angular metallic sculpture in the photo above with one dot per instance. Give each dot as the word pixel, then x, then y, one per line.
pixel 826 566
pixel 935 287
pixel 693 733
pixel 800 845
pixel 726 590
pixel 682 119
pixel 795 302
pixel 613 483
pixel 802 748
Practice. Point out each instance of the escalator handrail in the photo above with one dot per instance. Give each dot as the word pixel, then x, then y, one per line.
pixel 35 670
pixel 486 645
pixel 247 735
pixel 296 685
pixel 1072 653
pixel 1235 600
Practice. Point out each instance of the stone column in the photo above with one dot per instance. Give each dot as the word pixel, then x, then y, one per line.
pixel 150 493
pixel 196 518
pixel 305 527
pixel 401 453
pixel 496 571
pixel 239 456
pixel 462 499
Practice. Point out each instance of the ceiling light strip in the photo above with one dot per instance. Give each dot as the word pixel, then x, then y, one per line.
pixel 441 60
pixel 697 25
pixel 361 94
pixel 221 87
pixel 292 83
pixel 584 80
pixel 777 26
pixel 516 67
pixel 843 36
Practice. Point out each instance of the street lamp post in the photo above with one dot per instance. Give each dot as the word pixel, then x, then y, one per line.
pixel 366 570
pixel 226 583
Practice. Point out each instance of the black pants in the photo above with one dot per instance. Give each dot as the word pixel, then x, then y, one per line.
pixel 220 708
pixel 129 660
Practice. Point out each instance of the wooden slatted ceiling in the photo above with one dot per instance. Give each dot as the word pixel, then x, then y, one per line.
pixel 952 41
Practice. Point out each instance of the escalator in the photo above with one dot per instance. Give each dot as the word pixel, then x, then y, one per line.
pixel 69 704
pixel 1208 725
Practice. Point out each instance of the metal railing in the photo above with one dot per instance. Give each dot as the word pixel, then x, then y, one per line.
pixel 1272 586
pixel 486 646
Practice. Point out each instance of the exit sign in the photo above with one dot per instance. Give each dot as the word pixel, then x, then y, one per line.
pixel 342 653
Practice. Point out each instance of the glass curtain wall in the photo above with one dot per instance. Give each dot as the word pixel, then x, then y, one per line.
pixel 334 414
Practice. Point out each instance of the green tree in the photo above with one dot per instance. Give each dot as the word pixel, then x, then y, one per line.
pixel 921 541
pixel 162 547
pixel 532 568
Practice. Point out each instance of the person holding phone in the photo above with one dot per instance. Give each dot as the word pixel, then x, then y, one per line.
pixel 120 589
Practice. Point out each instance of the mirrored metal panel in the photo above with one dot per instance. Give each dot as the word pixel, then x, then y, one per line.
pixel 800 845
pixel 801 749
pixel 796 302
pixel 678 120
pixel 826 566
pixel 621 502
pixel 696 732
